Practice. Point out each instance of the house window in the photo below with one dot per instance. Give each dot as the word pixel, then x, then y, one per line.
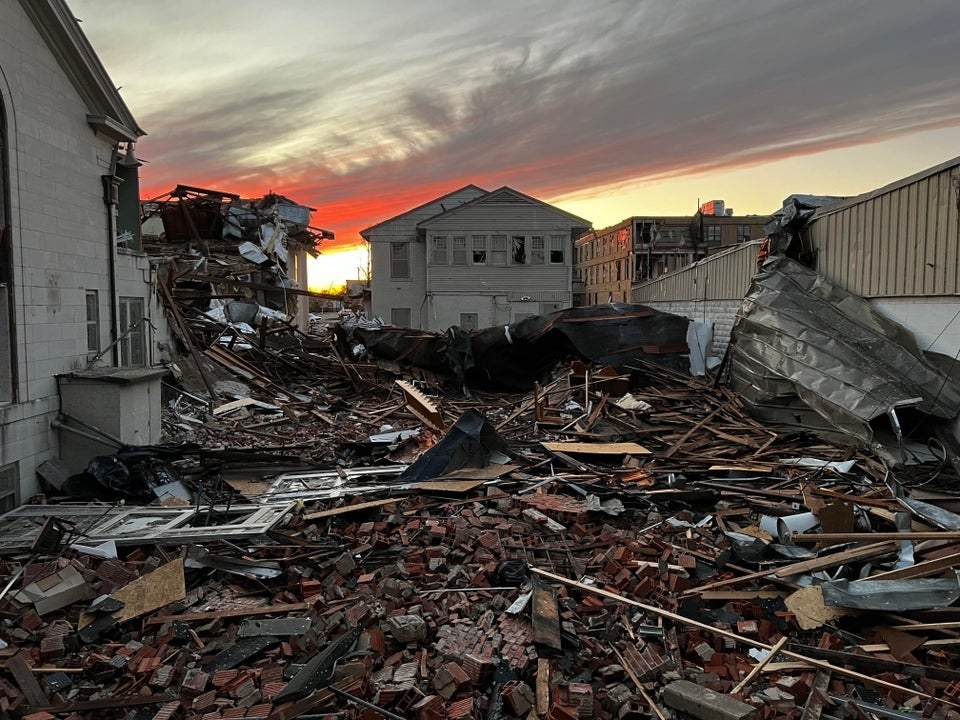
pixel 712 234
pixel 498 250
pixel 133 346
pixel 400 317
pixel 399 261
pixel 519 254
pixel 469 321
pixel 556 249
pixel 743 233
pixel 459 250
pixel 537 250
pixel 93 321
pixel 478 243
pixel 438 255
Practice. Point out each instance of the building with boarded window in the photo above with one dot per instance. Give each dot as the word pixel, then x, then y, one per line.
pixel 474 259
pixel 610 262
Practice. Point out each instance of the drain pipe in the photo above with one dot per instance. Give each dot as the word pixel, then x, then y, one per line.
pixel 111 190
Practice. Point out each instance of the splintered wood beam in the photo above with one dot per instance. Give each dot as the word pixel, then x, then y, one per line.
pixel 759 666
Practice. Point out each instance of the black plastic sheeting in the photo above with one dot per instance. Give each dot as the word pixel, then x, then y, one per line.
pixel 805 351
pixel 132 475
pixel 514 357
pixel 471 443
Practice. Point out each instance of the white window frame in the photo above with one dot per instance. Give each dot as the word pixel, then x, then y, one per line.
pixel 93 321
pixel 479 253
pixel 538 250
pixel 399 261
pixel 557 244
pixel 440 251
pixel 133 344
pixel 498 250
pixel 459 255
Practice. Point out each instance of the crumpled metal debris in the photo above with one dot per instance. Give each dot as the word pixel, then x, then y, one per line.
pixel 803 348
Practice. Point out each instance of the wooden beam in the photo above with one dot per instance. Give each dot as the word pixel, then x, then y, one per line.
pixel 920 570
pixel 690 622
pixel 874 536
pixel 759 666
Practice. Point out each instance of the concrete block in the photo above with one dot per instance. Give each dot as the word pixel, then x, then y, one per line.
pixel 706 704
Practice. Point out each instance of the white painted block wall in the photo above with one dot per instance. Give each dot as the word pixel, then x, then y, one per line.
pixel 60 238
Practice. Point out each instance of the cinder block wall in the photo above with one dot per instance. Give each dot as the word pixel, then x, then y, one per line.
pixel 719 313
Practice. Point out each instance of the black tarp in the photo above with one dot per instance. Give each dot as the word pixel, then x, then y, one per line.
pixel 515 356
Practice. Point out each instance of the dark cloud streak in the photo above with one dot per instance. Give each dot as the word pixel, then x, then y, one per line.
pixel 560 98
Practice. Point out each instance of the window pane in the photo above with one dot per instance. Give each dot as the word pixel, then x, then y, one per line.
pixel 459 250
pixel 93 321
pixel 399 260
pixel 537 250
pixel 439 253
pixel 498 251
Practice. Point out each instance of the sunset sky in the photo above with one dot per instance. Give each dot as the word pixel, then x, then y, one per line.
pixel 364 109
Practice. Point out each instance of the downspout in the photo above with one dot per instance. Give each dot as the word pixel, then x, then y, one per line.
pixel 111 184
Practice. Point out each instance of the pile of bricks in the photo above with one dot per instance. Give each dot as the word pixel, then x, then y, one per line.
pixel 427 605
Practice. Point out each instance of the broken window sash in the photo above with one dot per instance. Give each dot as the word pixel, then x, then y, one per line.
pixel 97 523
pixel 519 252
pixel 478 244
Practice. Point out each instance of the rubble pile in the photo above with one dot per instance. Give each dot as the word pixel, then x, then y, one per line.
pixel 595 548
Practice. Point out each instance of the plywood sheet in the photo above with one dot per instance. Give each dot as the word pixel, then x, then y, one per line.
pixel 151 592
pixel 621 448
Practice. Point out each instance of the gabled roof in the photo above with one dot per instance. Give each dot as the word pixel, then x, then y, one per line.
pixel 108 113
pixel 363 233
pixel 506 194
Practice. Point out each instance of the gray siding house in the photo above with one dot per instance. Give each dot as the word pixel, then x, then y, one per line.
pixel 72 279
pixel 474 259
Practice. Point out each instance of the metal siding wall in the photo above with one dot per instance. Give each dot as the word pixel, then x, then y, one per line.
pixel 719 277
pixel 901 243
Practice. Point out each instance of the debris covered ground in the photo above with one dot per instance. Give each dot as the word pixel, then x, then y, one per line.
pixel 350 523
pixel 585 550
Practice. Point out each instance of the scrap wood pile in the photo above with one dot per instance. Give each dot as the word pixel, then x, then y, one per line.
pixel 575 552
pixel 227 277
